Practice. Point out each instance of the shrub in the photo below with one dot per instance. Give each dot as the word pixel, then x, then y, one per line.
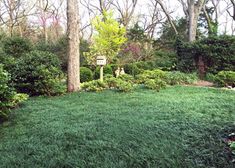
pixel 210 77
pixel 111 82
pixel 225 78
pixel 107 70
pixel 155 84
pixel 17 46
pixel 59 48
pixel 38 73
pixel 8 62
pixel 126 78
pixel 94 86
pixel 176 78
pixel 217 53
pixel 119 84
pixel 114 67
pixel 8 97
pixel 124 86
pixel 145 65
pixel 132 69
pixel 165 60
pixel 155 74
pixel 86 74
pixel 232 147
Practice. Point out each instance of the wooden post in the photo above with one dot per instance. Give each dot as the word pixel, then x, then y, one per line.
pixel 101 73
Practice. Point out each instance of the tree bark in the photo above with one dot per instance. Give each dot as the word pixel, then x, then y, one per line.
pixel 194 9
pixel 73 48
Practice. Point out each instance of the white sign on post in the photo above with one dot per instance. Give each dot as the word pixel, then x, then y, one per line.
pixel 101 60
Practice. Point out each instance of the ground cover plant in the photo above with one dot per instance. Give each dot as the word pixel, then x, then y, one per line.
pixel 177 127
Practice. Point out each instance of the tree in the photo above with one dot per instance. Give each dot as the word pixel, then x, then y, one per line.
pixel 207 16
pixel 13 13
pixel 126 10
pixel 194 9
pixel 73 46
pixel 168 16
pixel 109 37
pixel 233 8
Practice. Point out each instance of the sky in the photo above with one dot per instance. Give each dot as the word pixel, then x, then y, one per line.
pixel 174 7
pixel 143 8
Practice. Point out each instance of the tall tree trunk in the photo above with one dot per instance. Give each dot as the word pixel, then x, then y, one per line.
pixel 194 9
pixel 73 48
pixel 11 17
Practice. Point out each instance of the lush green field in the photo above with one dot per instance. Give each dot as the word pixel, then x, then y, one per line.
pixel 177 127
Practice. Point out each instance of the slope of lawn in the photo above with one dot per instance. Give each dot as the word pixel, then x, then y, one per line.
pixel 177 127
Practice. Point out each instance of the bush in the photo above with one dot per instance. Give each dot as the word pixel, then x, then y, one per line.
pixel 107 70
pixel 165 60
pixel 210 77
pixel 38 73
pixel 176 78
pixel 217 53
pixel 155 74
pixel 119 84
pixel 225 78
pixel 114 67
pixel 94 86
pixel 145 65
pixel 155 84
pixel 126 78
pixel 8 97
pixel 17 46
pixel 86 74
pixel 60 48
pixel 132 69
pixel 124 86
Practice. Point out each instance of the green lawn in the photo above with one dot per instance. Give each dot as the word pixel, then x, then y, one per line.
pixel 177 127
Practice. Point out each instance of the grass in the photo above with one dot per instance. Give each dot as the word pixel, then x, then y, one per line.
pixel 177 127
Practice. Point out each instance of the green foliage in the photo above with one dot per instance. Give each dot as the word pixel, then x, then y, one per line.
pixel 126 78
pixel 146 65
pixel 8 97
pixel 132 69
pixel 123 83
pixel 6 93
pixel 225 78
pixel 232 147
pixel 155 84
pixel 218 54
pixel 38 73
pixel 185 56
pixel 16 46
pixel 155 74
pixel 168 35
pixel 177 78
pixel 124 86
pixel 86 74
pixel 59 48
pixel 107 70
pixel 94 86
pixel 109 38
pixel 211 27
pixel 158 79
pixel 136 33
pixel 178 127
pixel 210 77
pixel 165 60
